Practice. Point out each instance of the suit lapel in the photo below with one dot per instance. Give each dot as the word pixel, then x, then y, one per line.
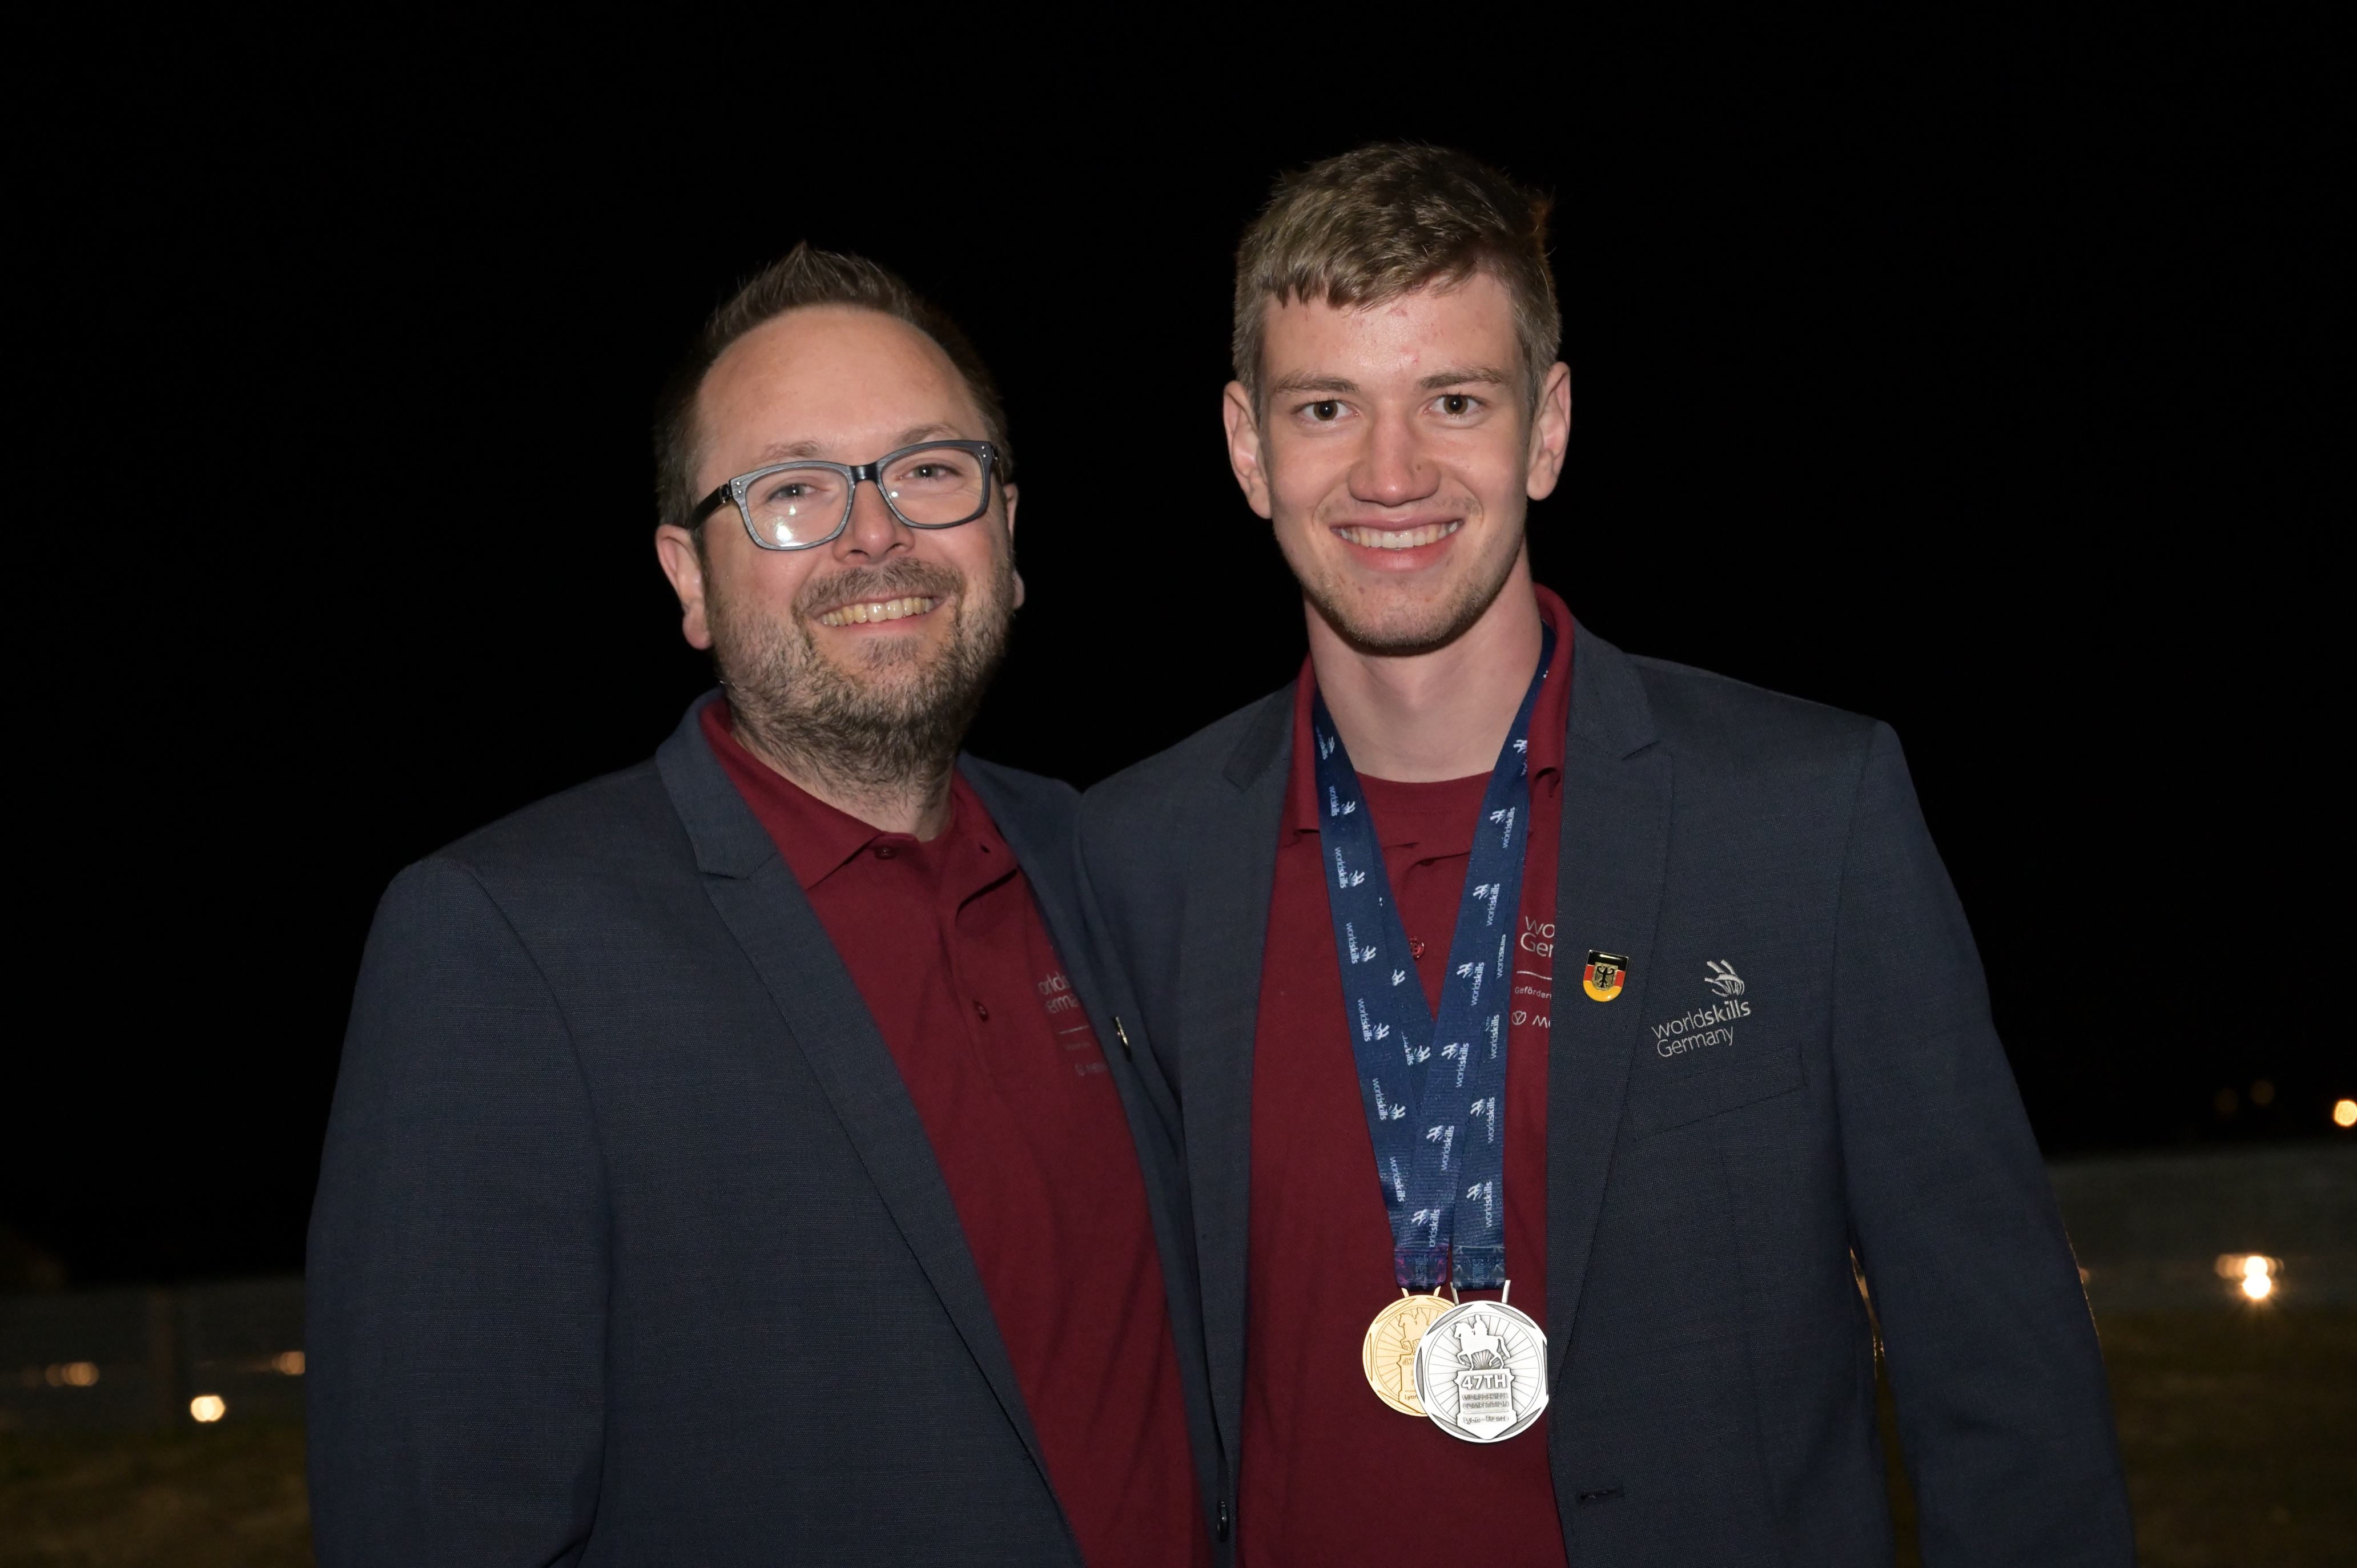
pixel 754 891
pixel 1617 794
pixel 1043 845
pixel 1042 842
pixel 1231 870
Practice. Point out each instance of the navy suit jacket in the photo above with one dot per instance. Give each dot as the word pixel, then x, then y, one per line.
pixel 629 1246
pixel 1711 1356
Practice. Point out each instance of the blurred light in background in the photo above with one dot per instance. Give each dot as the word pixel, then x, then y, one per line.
pixel 69 1375
pixel 289 1362
pixel 2254 1271
pixel 2263 1092
pixel 2344 1113
pixel 208 1407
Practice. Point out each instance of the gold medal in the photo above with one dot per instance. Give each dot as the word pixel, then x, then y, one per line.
pixel 1389 1354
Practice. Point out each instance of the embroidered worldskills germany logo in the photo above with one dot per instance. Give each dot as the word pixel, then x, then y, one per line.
pixel 1606 974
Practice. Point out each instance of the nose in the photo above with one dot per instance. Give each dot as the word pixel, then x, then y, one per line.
pixel 873 532
pixel 1391 471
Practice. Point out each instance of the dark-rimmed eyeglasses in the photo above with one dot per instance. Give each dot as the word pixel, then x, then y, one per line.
pixel 805 503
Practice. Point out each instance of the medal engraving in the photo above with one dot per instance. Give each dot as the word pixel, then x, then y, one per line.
pixel 1389 1354
pixel 1480 1372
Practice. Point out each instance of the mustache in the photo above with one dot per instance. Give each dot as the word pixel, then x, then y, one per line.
pixel 893 580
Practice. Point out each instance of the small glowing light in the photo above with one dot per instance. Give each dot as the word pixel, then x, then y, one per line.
pixel 289 1362
pixel 2263 1092
pixel 2254 1267
pixel 2226 1100
pixel 80 1374
pixel 2257 1286
pixel 2344 1113
pixel 208 1407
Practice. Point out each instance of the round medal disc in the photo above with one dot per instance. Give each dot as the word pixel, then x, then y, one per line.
pixel 1480 1372
pixel 1389 1354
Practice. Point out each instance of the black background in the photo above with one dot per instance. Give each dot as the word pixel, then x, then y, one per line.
pixel 1988 402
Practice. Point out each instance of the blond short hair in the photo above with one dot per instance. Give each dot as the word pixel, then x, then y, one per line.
pixel 1384 221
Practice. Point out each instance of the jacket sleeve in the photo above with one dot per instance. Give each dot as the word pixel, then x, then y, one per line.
pixel 2003 1409
pixel 456 1311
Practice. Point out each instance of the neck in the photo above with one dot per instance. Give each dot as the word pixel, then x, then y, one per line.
pixel 1417 718
pixel 919 807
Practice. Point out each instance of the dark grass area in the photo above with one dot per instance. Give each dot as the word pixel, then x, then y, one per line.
pixel 2239 1431
pixel 225 1496
pixel 2239 1434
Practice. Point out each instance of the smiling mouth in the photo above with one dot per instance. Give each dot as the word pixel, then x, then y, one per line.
pixel 876 610
pixel 1400 538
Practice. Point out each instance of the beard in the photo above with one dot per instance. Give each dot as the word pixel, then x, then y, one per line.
pixel 1390 623
pixel 885 727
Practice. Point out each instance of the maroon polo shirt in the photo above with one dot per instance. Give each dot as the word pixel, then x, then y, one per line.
pixel 949 952
pixel 1331 1473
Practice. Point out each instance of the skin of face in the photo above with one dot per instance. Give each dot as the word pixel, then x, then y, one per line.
pixel 847 385
pixel 1400 424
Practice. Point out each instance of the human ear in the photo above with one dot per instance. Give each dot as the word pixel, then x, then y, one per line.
pixel 1009 492
pixel 1550 433
pixel 1243 448
pixel 675 551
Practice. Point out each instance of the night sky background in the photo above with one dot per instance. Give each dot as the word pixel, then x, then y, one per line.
pixel 1956 392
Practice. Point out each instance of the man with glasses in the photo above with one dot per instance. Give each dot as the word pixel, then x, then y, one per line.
pixel 739 1158
pixel 1558 1030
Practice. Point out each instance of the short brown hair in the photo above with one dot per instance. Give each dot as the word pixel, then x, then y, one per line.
pixel 1384 221
pixel 805 276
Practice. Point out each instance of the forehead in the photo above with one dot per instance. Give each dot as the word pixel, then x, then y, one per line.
pixel 835 378
pixel 1437 327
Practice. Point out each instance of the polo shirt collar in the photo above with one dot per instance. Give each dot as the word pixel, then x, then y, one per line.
pixel 1548 719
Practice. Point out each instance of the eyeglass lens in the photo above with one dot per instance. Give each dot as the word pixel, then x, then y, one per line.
pixel 934 485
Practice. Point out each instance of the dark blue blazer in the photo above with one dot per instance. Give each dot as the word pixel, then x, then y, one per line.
pixel 1713 1364
pixel 629 1247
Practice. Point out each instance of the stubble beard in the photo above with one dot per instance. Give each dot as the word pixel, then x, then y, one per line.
pixel 1393 625
pixel 887 729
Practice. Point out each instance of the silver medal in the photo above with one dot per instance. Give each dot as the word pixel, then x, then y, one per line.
pixel 1480 1372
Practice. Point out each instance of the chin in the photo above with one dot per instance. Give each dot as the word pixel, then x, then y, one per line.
pixel 1379 617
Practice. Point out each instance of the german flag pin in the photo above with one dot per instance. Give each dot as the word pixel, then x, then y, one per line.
pixel 1606 974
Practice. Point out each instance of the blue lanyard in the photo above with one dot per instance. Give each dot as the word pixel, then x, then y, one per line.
pixel 1433 1092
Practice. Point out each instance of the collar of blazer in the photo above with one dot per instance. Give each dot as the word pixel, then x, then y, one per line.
pixel 1616 797
pixel 755 894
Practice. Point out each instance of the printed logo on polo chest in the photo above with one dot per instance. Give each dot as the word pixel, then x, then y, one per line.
pixel 1073 1032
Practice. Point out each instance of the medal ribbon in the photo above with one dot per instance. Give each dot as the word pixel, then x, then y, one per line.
pixel 1434 1090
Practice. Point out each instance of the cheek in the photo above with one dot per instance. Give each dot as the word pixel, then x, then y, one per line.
pixel 763 581
pixel 1302 480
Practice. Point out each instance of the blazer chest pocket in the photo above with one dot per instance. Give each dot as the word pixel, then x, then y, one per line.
pixel 1689 1089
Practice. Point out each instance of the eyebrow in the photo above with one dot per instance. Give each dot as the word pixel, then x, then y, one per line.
pixel 1460 377
pixel 1456 376
pixel 788 451
pixel 1302 384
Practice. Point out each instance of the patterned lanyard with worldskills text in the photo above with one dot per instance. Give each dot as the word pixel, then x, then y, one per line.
pixel 1433 1090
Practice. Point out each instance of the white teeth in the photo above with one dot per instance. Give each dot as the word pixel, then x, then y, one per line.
pixel 882 610
pixel 1404 539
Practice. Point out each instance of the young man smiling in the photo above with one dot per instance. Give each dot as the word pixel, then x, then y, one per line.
pixel 725 1165
pixel 1558 1030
